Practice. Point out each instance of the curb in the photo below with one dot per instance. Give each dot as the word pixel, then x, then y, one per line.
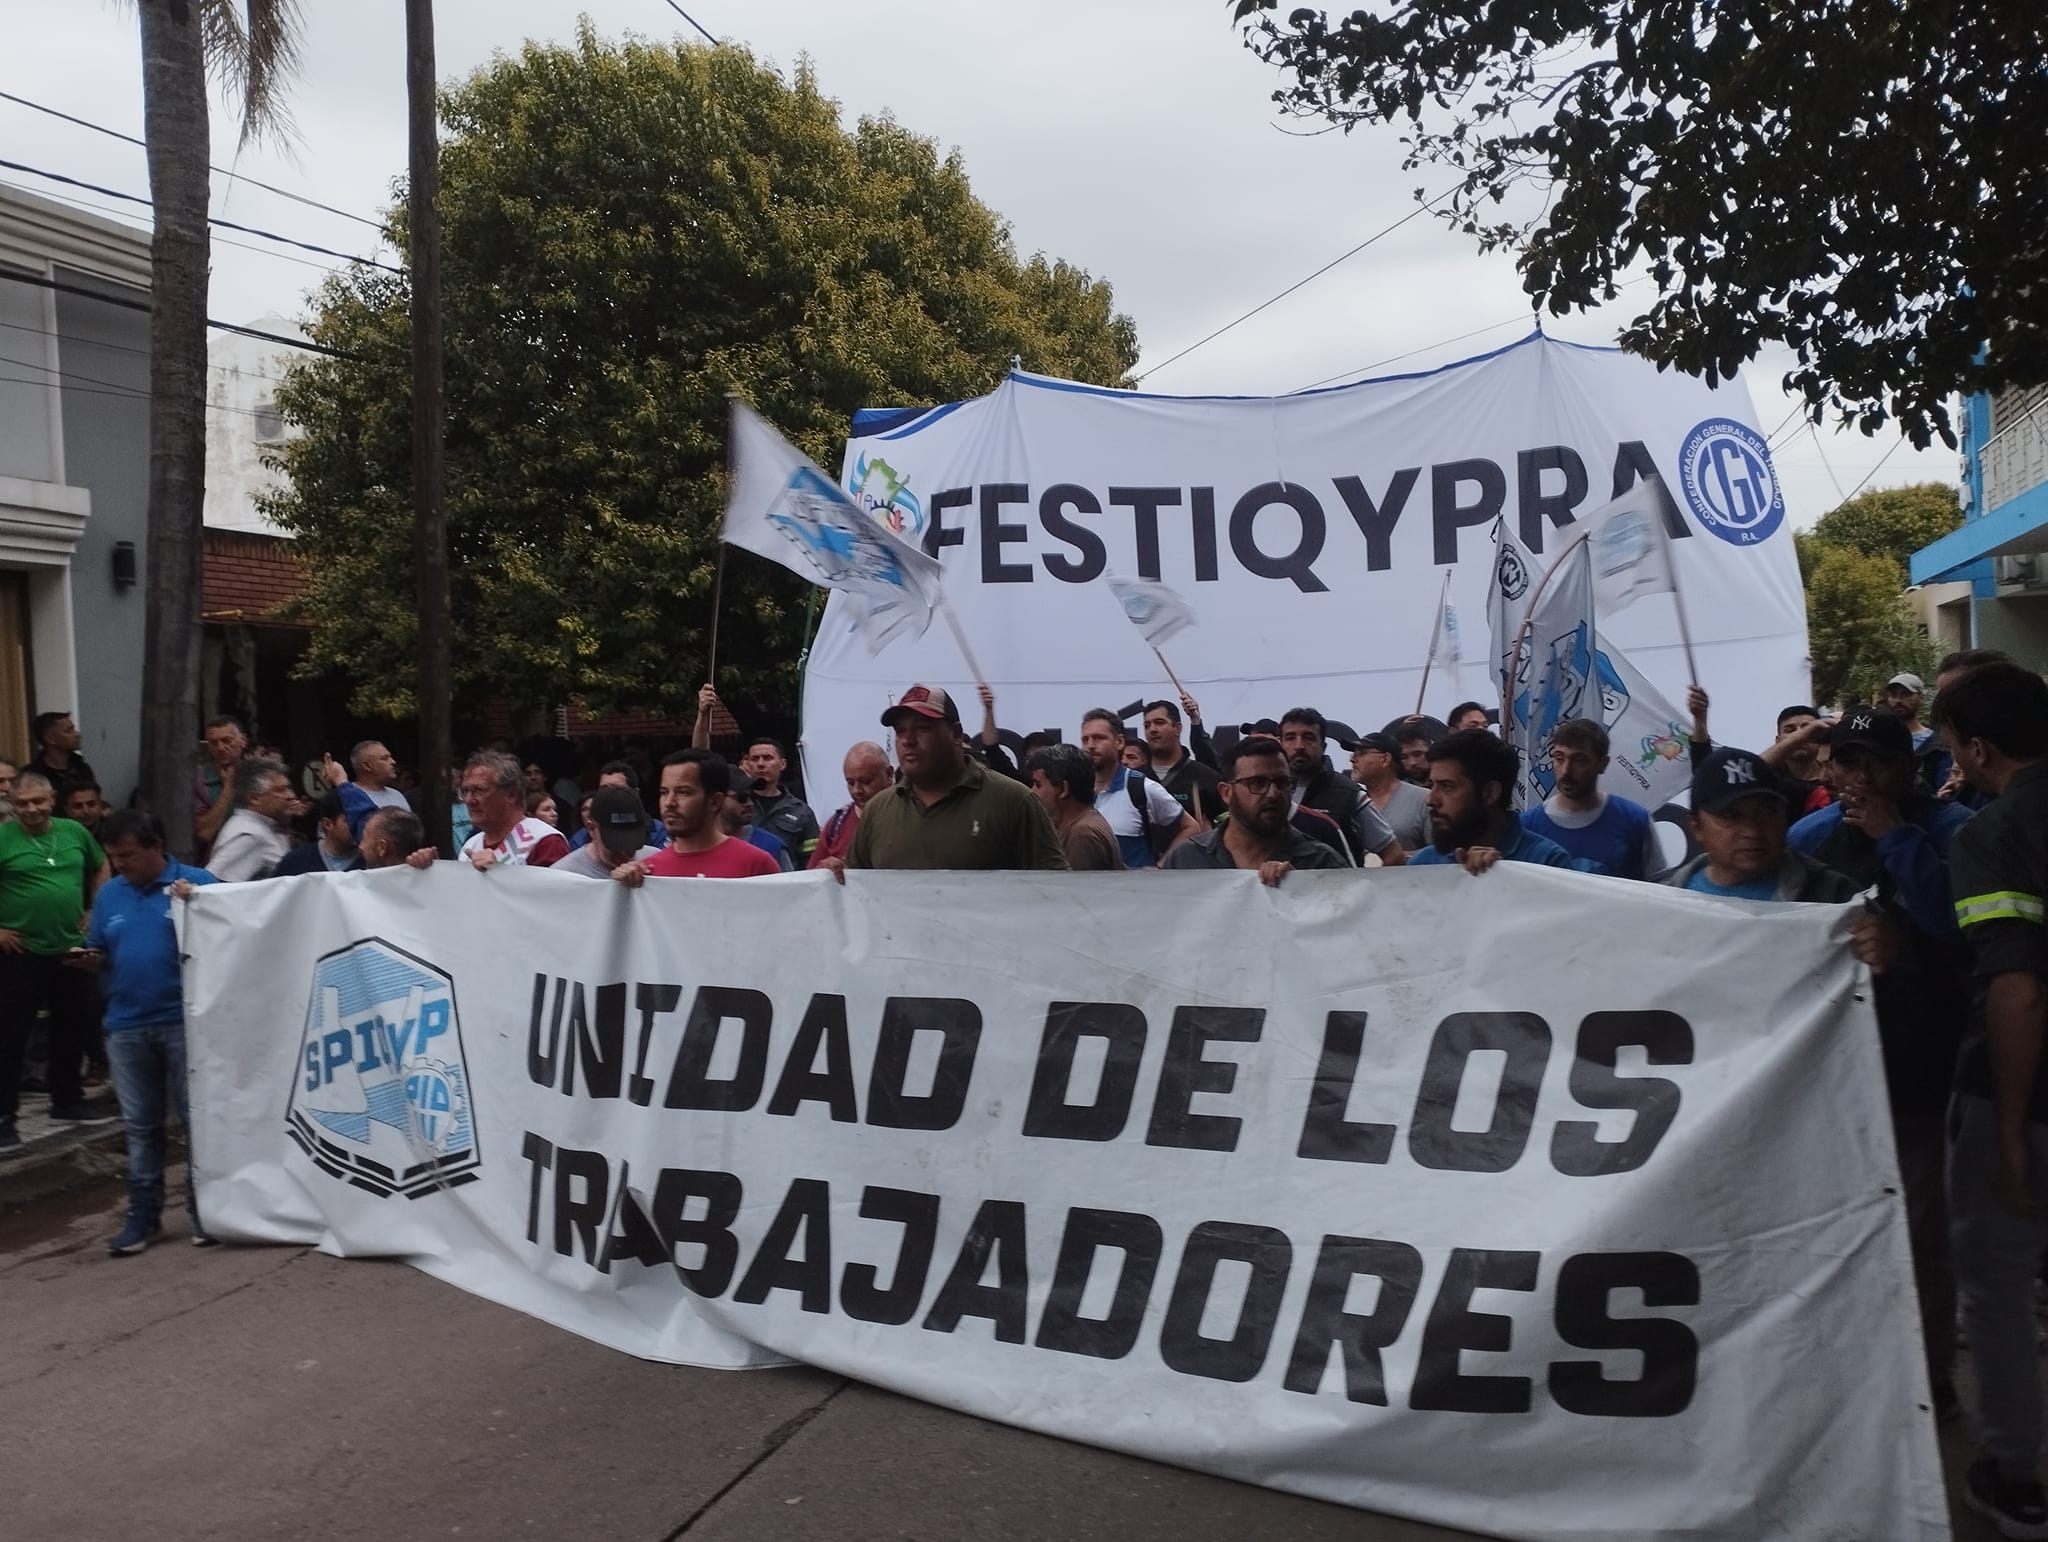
pixel 62 1163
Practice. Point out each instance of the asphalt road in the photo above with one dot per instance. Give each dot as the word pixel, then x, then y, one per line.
pixel 237 1393
pixel 231 1393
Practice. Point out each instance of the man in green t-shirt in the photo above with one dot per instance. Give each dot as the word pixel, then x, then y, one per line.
pixel 49 870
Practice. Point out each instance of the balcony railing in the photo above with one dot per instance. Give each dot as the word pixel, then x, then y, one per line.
pixel 2015 457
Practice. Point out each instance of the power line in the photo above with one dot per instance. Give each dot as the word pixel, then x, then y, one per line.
pixel 692 21
pixel 16 326
pixel 38 282
pixel 100 128
pixel 247 230
pixel 120 217
pixel 1420 208
pixel 1874 470
pixel 64 380
pixel 1411 353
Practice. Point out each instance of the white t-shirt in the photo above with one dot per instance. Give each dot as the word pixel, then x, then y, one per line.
pixel 524 837
pixel 1114 804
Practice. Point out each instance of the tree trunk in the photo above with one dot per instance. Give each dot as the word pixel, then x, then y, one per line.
pixel 175 126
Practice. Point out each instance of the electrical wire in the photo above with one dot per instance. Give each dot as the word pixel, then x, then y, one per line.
pixel 65 380
pixel 692 21
pixel 39 282
pixel 120 217
pixel 16 326
pixel 1411 353
pixel 214 220
pixel 1419 209
pixel 1874 470
pixel 225 171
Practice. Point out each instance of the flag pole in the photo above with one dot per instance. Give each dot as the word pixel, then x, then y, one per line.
pixel 1179 689
pixel 1436 632
pixel 1692 669
pixel 960 637
pixel 717 593
pixel 1528 621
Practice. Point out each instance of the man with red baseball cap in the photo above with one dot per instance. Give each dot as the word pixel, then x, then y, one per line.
pixel 946 810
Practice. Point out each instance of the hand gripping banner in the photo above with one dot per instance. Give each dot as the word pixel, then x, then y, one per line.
pixel 1413 1191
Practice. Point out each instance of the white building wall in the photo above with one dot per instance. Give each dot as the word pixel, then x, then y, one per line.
pixel 242 424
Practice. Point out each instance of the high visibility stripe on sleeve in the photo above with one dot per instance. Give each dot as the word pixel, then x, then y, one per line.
pixel 2004 905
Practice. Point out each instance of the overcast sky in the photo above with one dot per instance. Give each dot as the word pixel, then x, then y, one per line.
pixel 1136 138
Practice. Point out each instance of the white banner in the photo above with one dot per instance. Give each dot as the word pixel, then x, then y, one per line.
pixel 1539 1250
pixel 1307 532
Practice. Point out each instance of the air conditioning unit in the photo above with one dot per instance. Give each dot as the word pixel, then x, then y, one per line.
pixel 2026 573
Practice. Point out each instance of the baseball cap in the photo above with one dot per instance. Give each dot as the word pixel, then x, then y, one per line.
pixel 1384 743
pixel 620 819
pixel 1911 682
pixel 927 701
pixel 1728 776
pixel 1882 733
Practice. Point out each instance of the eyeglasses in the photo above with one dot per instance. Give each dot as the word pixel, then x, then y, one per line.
pixel 1259 786
pixel 476 794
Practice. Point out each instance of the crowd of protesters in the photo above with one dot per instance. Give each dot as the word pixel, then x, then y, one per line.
pixel 1932 823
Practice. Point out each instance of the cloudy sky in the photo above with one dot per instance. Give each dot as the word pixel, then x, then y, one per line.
pixel 1136 138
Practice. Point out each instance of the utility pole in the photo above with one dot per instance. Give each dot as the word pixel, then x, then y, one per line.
pixel 430 529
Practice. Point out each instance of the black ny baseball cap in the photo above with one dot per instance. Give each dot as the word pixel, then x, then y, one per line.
pixel 1879 733
pixel 1728 776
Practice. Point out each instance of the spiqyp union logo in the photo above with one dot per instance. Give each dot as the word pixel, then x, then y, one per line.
pixel 380 1097
pixel 1725 469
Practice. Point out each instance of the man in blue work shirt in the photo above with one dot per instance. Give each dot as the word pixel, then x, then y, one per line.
pixel 132 938
pixel 1472 821
pixel 1883 831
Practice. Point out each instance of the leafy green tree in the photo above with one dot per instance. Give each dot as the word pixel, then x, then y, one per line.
pixel 1893 522
pixel 633 231
pixel 1834 175
pixel 1859 632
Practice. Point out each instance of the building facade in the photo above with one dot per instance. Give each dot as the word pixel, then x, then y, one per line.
pixel 74 478
pixel 2001 549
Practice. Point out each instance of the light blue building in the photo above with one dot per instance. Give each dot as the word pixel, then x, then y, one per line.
pixel 2001 549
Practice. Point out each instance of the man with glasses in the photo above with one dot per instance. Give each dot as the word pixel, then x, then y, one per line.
pixel 1257 789
pixel 494 793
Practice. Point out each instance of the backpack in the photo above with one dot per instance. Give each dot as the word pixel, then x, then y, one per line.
pixel 1157 839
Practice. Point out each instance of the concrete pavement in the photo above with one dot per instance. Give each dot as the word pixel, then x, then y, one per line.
pixel 231 1393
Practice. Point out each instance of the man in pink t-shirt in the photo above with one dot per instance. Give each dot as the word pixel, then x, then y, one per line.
pixel 694 787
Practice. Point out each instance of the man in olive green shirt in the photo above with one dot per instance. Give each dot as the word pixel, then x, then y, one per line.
pixel 49 869
pixel 945 810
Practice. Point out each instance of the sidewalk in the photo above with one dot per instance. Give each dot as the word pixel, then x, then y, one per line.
pixel 60 1154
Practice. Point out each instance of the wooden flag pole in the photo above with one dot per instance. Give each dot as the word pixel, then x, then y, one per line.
pixel 1692 669
pixel 1179 689
pixel 1436 631
pixel 717 597
pixel 960 637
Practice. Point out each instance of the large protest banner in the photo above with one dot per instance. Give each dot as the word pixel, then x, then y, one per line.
pixel 1309 534
pixel 1410 1191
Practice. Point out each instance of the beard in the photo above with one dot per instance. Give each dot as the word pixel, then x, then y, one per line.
pixel 1448 836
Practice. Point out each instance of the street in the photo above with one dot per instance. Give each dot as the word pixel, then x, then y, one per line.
pixel 238 1392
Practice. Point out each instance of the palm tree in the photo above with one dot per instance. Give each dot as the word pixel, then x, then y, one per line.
pixel 253 46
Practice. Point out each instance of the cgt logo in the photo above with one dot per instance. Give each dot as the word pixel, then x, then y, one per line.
pixel 381 1097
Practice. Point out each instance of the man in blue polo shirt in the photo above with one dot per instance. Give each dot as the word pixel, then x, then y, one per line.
pixel 1472 822
pixel 133 939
